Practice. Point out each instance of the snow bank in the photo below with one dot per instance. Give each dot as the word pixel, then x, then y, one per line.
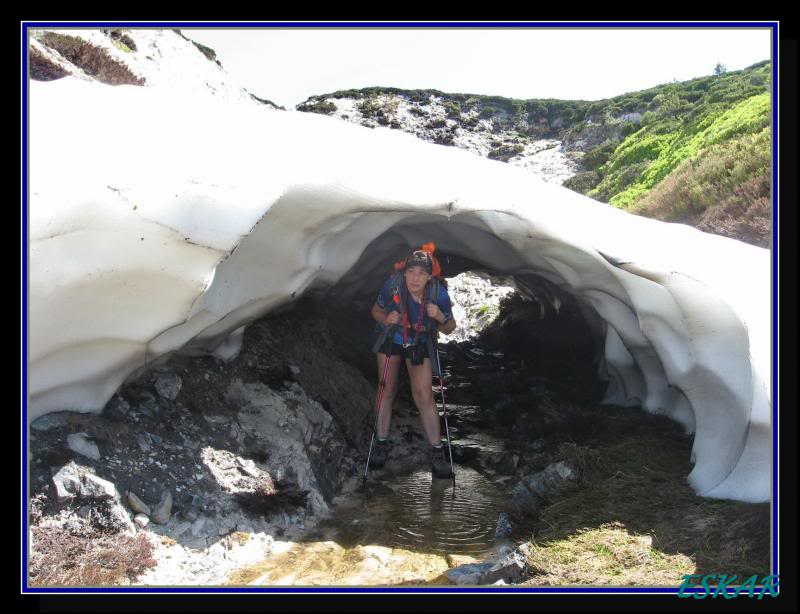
pixel 159 219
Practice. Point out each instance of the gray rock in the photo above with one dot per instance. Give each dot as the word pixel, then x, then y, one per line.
pixel 141 520
pixel 181 529
pixel 197 526
pixel 504 526
pixel 49 421
pixel 67 482
pixel 144 441
pixel 163 510
pixel 120 405
pixel 509 568
pixel 81 444
pixel 147 404
pixel 532 490
pixel 471 573
pixel 168 386
pixel 93 487
pixel 137 505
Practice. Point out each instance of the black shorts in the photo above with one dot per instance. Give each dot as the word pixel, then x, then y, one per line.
pixel 415 353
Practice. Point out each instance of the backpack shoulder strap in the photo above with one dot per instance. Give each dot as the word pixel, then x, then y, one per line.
pixel 397 287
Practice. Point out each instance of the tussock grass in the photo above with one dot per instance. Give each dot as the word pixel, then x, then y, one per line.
pixel 631 518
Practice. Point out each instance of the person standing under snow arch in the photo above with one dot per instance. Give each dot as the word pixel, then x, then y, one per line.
pixel 408 314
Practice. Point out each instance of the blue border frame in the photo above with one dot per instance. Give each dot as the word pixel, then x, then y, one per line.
pixel 25 26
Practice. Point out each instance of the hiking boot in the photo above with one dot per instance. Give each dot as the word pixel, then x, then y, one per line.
pixel 380 452
pixel 440 464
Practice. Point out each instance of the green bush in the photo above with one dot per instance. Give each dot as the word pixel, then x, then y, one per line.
pixel 506 151
pixel 323 107
pixel 583 182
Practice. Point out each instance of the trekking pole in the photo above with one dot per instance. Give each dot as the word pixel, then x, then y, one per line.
pixel 381 387
pixel 444 409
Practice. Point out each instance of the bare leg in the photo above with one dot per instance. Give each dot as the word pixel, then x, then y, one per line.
pixel 389 392
pixel 422 392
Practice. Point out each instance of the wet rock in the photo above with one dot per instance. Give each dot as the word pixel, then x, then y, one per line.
pixel 536 445
pixel 81 444
pixel 168 386
pixel 163 510
pixel 533 489
pixel 506 465
pixel 504 526
pixel 147 404
pixel 510 568
pixel 94 487
pixel 49 421
pixel 137 505
pixel 471 573
pixel 141 520
pixel 67 482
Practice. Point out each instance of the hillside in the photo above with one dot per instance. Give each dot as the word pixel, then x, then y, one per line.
pixel 696 152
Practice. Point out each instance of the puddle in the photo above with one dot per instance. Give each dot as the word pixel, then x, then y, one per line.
pixel 421 513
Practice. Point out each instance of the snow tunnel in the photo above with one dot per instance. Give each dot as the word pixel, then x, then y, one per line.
pixel 208 215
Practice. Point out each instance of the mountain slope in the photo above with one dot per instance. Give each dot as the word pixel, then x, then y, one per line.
pixel 638 151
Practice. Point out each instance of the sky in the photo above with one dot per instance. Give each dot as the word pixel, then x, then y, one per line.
pixel 287 65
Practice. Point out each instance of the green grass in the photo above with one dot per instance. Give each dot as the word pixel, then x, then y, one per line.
pixel 666 151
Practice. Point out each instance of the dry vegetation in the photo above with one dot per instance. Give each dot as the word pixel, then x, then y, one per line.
pixel 631 518
pixel 64 557
pixel 43 69
pixel 93 60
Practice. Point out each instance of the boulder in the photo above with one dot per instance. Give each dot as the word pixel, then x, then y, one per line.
pixel 93 487
pixel 137 505
pixel 168 386
pixel 67 482
pixel 163 510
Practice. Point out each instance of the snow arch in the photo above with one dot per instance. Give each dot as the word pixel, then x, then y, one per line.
pixel 158 221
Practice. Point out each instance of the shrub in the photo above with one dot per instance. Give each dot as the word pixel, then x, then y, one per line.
pixel 452 109
pixel 726 191
pixel 597 156
pixel 628 127
pixel 505 152
pixel 93 60
pixel 42 69
pixel 323 107
pixel 583 182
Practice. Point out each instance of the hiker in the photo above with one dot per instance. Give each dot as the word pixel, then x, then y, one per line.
pixel 407 303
